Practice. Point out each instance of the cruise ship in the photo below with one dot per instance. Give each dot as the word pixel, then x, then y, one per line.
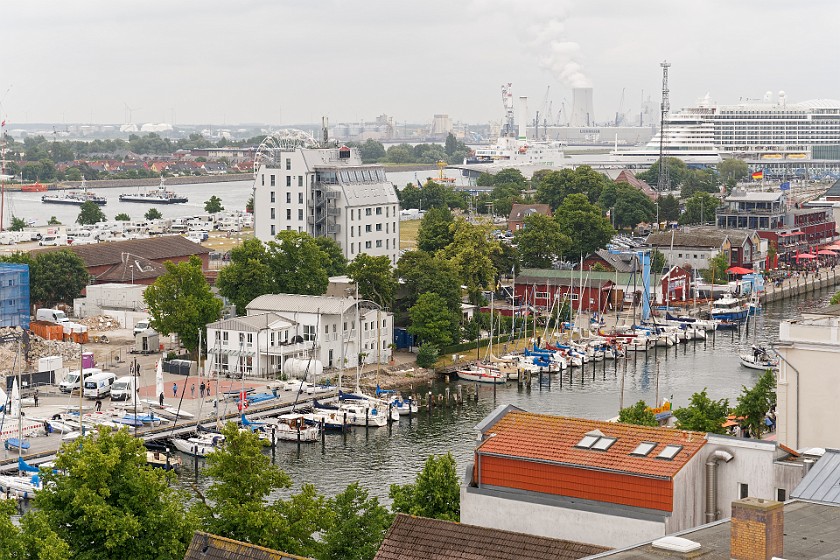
pixel 687 137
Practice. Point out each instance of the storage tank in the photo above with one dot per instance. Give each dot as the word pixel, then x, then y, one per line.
pixel 296 367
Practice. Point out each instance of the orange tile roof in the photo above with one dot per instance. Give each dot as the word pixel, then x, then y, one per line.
pixel 552 439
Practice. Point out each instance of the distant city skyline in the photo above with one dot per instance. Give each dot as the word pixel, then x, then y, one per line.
pixel 259 62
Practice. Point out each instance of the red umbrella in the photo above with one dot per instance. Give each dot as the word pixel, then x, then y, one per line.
pixel 806 256
pixel 739 270
pixel 827 252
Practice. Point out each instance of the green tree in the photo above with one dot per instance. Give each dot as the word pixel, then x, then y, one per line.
pixel 435 230
pixel 436 492
pixel 432 321
pixel 657 261
pixel 247 276
pixel 628 205
pixel 53 221
pixel 703 414
pixel 677 171
pixel 700 208
pixel 754 404
pixel 153 214
pixel 54 276
pixel 541 241
pixel 90 213
pixel 638 414
pixel 584 223
pixel 104 502
pixel 122 217
pixel 180 302
pixel 427 355
pixel 733 170
pixel 669 208
pixel 213 205
pixel 471 253
pixel 554 186
pixel 421 272
pixel 297 264
pixel 249 205
pixel 336 263
pixel 32 540
pixel 371 151
pixel 358 527
pixel 716 273
pixel 74 174
pixel 17 224
pixel 699 181
pixel 835 299
pixel 374 277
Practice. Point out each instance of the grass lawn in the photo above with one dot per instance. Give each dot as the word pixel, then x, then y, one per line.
pixel 408 234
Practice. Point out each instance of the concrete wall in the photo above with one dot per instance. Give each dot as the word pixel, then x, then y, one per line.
pixel 542 519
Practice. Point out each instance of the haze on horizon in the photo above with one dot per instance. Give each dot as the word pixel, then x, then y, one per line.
pixel 284 61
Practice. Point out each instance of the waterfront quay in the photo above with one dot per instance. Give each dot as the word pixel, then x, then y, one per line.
pixel 799 284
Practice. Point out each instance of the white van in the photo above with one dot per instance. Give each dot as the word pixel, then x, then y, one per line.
pixel 123 388
pixel 53 240
pixel 99 385
pixel 140 326
pixel 71 380
pixel 51 316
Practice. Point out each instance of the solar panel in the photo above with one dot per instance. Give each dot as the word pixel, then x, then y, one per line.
pixel 587 441
pixel 644 448
pixel 604 443
pixel 669 452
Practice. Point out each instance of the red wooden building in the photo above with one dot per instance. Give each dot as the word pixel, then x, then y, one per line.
pixel 564 287
pixel 676 285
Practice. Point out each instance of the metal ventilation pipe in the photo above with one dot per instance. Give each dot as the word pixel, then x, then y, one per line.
pixel 711 482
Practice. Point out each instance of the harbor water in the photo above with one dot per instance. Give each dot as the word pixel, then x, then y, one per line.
pixel 379 457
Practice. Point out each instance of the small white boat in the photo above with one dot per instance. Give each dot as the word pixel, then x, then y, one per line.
pixel 199 445
pixel 482 375
pixel 357 413
pixel 759 359
pixel 290 427
pixel 20 486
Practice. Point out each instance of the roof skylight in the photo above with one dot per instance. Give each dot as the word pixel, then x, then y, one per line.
pixel 644 448
pixel 669 452
pixel 587 442
pixel 604 443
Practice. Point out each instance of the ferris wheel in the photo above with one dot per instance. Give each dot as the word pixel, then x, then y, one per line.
pixel 283 140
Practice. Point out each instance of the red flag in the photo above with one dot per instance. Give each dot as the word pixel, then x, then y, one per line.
pixel 3 123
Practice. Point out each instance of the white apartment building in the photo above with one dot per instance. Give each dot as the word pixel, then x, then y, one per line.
pixel 328 192
pixel 808 382
pixel 283 326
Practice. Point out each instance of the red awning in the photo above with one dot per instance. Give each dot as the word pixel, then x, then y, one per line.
pixel 826 252
pixel 739 270
pixel 806 256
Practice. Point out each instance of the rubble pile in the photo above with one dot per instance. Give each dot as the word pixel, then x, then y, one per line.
pixel 38 348
pixel 100 323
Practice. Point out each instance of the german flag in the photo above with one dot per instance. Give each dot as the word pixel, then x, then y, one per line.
pixel 758 175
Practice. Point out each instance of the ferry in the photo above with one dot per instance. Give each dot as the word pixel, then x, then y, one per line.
pixel 158 196
pixel 74 197
pixel 729 308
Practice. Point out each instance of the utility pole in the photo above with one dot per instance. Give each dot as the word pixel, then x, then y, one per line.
pixel 663 182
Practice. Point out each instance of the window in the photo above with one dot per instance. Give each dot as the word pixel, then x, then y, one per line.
pixel 352 248
pixel 588 441
pixel 669 452
pixel 272 214
pixel 387 244
pixel 288 180
pixel 743 490
pixel 352 214
pixel 218 336
pixel 378 243
pixel 309 332
pixel 288 213
pixel 250 338
pixel 604 443
pixel 378 210
pixel 300 198
pixel 367 228
pixel 644 448
pixel 352 232
pixel 272 197
pixel 262 180
pixel 300 214
pixel 781 495
pixel 367 244
pixel 225 336
pixel 326 329
pixel 273 230
pixel 288 198
pixel 378 227
pixel 288 164
pixel 241 338
pixel 384 323
pixel 272 181
pixel 387 230
pixel 541 295
pixel 367 212
pixel 387 212
pixel 300 180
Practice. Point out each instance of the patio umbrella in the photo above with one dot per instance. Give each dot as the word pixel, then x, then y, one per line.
pixel 806 256
pixel 827 252
pixel 739 270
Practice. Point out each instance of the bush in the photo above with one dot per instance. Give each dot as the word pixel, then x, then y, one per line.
pixel 427 356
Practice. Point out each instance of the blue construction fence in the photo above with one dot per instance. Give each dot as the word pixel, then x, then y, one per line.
pixel 14 295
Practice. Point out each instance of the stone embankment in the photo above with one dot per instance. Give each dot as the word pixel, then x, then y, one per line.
pixel 799 284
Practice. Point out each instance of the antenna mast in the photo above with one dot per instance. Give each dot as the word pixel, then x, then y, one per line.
pixel 663 182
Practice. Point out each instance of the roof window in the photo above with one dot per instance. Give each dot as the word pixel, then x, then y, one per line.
pixel 644 448
pixel 596 440
pixel 588 441
pixel 603 443
pixel 669 452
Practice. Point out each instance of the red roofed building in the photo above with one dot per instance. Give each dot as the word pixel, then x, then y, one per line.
pixel 518 213
pixel 610 484
pixel 627 176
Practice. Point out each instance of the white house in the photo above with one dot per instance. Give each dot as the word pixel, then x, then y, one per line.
pixel 327 193
pixel 278 327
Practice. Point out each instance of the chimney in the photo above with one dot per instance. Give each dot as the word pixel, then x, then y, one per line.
pixel 758 528
pixel 523 118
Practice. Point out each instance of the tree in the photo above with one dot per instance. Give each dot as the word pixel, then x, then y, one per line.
pixel 436 492
pixel 101 481
pixel 180 302
pixel 432 321
pixel 703 414
pixel 629 206
pixel 540 241
pixel 358 526
pixel 122 217
pixel 700 208
pixel 54 276
pixel 53 221
pixel 835 299
pixel 153 214
pixel 733 170
pixel 699 180
pixel 249 205
pixel 554 186
pixel 677 171
pixel 90 213
pixel 669 208
pixel 336 263
pixel 427 355
pixel 435 232
pixel 297 264
pixel 657 261
pixel 247 276
pixel 17 224
pixel 32 540
pixel 754 404
pixel 213 205
pixel 471 253
pixel 371 151
pixel 421 272
pixel 716 273
pixel 74 174
pixel 638 414
pixel 374 277
pixel 584 223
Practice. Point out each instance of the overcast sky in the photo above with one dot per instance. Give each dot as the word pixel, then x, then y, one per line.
pixel 283 61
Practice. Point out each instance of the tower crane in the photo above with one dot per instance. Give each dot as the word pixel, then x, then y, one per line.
pixel 619 115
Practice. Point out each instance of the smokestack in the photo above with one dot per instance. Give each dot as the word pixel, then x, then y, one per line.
pixel 758 529
pixel 582 109
pixel 523 117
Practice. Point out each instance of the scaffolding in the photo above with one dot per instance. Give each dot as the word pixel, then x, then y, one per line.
pixel 14 295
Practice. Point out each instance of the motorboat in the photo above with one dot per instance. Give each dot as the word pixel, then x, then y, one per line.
pixel 74 197
pixel 200 444
pixel 163 460
pixel 289 427
pixel 356 413
pixel 760 359
pixel 729 308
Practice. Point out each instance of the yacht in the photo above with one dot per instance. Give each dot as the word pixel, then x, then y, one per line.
pixel 157 196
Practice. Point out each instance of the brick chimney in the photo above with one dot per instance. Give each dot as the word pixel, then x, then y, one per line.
pixel 758 528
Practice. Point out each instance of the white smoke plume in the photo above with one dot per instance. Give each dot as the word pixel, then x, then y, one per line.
pixel 556 54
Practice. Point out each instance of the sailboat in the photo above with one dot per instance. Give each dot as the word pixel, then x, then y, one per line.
pixel 14 410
